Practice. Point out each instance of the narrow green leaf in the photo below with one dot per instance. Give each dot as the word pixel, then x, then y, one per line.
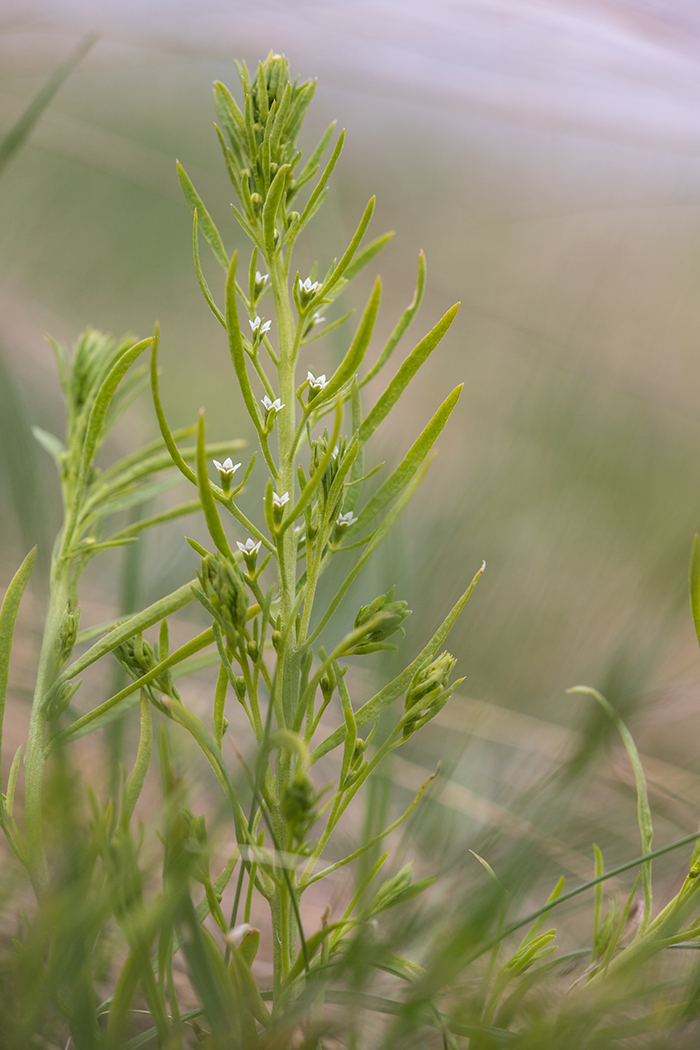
pixel 405 471
pixel 357 350
pixel 51 444
pixel 403 323
pixel 157 519
pixel 168 438
pixel 312 164
pixel 128 628
pixel 644 818
pixel 349 252
pixel 310 208
pixel 8 618
pixel 367 254
pixel 211 514
pixel 271 206
pixel 200 276
pixel 22 128
pixel 93 720
pixel 103 400
pixel 235 344
pixel 205 220
pixel 279 120
pixel 405 374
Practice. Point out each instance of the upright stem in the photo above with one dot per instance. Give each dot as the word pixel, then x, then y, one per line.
pixel 35 755
pixel 284 932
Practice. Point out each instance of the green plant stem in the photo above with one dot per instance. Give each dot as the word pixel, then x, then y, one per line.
pixel 36 752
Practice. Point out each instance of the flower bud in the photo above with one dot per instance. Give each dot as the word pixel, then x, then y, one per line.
pixel 239 686
pixel 224 592
pixel 67 633
pixel 382 617
pixel 257 201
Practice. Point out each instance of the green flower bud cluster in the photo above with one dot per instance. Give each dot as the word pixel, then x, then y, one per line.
pixel 382 617
pixel 67 633
pixel 299 806
pixel 428 693
pixel 223 593
pixel 138 657
pixel 260 140
pixel 396 890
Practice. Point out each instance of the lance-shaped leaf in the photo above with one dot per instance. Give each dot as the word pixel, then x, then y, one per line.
pixel 396 688
pixel 94 719
pixel 51 444
pixel 128 628
pixel 357 350
pixel 403 322
pixel 405 471
pixel 205 220
pixel 279 120
pixel 318 190
pixel 235 343
pixel 230 116
pixel 347 256
pixel 102 403
pixel 211 514
pixel 313 163
pixel 646 829
pixel 200 276
pixel 405 374
pixel 367 254
pixel 271 206
pixel 8 617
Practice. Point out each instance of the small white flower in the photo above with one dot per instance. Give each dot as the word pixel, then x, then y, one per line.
pixel 280 501
pixel 258 327
pixel 260 278
pixel 334 453
pixel 250 547
pixel 228 467
pixel 268 405
pixel 316 383
pixel 307 287
pixel 317 319
pixel 297 529
pixel 343 521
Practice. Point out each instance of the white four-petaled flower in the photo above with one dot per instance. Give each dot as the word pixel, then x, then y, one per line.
pixel 268 405
pixel 280 501
pixel 317 319
pixel 259 327
pixel 307 287
pixel 316 383
pixel 260 279
pixel 228 467
pixel 250 547
pixel 343 521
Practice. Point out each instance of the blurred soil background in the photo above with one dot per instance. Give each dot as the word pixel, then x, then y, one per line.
pixel 546 157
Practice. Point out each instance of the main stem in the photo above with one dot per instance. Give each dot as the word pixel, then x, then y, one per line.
pixel 284 931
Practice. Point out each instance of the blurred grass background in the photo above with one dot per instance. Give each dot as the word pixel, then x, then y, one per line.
pixel 547 161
